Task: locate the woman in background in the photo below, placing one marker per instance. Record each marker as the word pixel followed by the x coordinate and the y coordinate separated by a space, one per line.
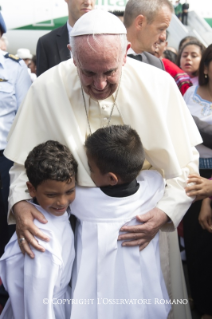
pixel 189 59
pixel 198 241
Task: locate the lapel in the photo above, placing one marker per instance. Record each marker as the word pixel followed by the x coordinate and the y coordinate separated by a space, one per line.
pixel 137 57
pixel 62 41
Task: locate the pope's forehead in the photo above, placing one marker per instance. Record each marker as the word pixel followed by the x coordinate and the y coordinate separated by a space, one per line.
pixel 102 63
pixel 97 41
pixel 98 49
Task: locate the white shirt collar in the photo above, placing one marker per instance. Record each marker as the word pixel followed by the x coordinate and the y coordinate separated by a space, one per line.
pixel 130 51
pixel 69 27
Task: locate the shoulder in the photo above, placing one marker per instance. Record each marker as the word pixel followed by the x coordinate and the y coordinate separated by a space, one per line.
pixel 151 183
pixel 190 92
pixel 170 66
pixel 63 74
pixel 12 57
pixel 151 176
pixel 14 64
pixel 152 60
pixel 147 73
pixel 52 34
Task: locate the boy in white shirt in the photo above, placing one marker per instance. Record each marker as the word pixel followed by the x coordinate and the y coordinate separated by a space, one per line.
pixel 115 282
pixel 37 286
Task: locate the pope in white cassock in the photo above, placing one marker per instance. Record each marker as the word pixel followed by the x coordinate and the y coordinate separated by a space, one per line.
pixel 96 88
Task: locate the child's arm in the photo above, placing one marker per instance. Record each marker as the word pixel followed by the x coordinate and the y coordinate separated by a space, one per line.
pixel 202 187
pixel 205 216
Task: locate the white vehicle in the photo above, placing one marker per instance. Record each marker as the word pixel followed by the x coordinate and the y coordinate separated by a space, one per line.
pixel 27 20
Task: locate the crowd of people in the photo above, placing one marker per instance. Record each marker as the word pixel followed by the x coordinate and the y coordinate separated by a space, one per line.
pixel 105 149
pixel 181 11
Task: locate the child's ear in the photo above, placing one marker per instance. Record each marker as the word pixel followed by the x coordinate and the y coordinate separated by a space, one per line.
pixel 31 189
pixel 112 179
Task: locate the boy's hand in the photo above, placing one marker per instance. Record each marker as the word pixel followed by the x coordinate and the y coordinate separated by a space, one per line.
pixel 141 235
pixel 202 187
pixel 24 214
pixel 205 215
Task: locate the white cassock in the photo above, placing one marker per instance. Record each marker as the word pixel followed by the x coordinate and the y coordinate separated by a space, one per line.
pixel 120 280
pixel 151 103
pixel 37 286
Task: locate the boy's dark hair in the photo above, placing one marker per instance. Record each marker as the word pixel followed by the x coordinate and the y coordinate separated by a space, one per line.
pixel 205 61
pixel 117 149
pixel 50 160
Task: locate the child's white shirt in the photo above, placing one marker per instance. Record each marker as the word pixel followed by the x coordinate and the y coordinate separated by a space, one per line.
pixel 107 274
pixel 37 286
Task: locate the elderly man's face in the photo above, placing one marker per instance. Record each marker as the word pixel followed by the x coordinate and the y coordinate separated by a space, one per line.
pixel 99 68
pixel 77 8
pixel 155 31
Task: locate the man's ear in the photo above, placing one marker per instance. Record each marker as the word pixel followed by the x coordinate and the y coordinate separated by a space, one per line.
pixel 139 21
pixel 125 55
pixel 31 189
pixel 112 179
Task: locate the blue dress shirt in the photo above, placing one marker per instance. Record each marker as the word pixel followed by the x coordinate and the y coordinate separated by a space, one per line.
pixel 14 84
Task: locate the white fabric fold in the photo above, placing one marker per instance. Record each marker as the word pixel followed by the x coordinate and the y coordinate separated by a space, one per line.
pixel 53 109
pixel 34 285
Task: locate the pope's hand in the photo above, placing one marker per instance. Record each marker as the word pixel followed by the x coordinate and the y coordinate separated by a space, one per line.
pixel 141 235
pixel 24 214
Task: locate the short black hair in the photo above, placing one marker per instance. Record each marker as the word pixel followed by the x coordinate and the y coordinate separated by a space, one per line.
pixel 205 61
pixel 117 13
pixel 50 160
pixel 170 55
pixel 34 60
pixel 117 149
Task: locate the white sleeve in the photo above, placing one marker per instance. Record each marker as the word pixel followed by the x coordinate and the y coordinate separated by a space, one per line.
pixel 40 278
pixel 18 188
pixel 175 202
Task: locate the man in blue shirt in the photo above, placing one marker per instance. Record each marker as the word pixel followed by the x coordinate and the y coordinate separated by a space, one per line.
pixel 14 84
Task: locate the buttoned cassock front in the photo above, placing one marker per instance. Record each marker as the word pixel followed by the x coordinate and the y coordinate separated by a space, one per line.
pixel 149 101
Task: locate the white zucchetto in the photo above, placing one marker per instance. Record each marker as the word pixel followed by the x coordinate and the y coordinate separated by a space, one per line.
pixel 98 22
